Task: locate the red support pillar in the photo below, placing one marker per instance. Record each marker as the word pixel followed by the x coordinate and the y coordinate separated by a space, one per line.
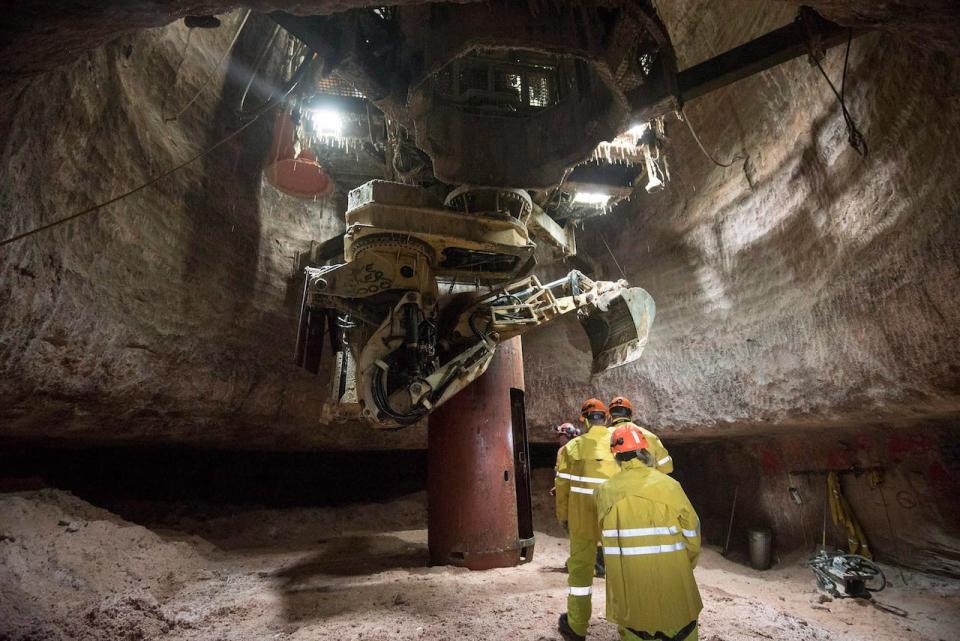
pixel 472 487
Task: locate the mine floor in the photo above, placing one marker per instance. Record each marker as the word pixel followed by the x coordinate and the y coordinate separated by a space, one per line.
pixel 69 570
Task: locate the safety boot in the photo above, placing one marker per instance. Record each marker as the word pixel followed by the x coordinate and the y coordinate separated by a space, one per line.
pixel 566 631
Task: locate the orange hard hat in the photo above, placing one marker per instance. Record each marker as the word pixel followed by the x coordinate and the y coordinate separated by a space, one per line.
pixel 620 401
pixel 627 438
pixel 592 405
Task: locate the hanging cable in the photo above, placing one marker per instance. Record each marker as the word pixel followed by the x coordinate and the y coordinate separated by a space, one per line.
pixel 854 135
pixel 89 210
pixel 256 66
pixel 615 262
pixel 209 82
pixel 737 158
pixel 152 181
pixel 285 90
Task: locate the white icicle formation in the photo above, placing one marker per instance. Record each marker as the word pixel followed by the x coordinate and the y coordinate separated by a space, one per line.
pixel 622 150
pixel 346 144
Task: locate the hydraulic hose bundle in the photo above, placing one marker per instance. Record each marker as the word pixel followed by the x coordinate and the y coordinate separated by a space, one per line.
pixel 847 575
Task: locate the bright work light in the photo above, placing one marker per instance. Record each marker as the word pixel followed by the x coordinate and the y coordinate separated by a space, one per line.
pixel 327 122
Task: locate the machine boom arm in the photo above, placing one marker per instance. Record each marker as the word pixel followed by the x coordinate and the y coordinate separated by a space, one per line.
pixel 401 349
pixel 616 317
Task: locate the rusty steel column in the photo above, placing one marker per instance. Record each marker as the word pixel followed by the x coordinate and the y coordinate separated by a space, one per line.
pixel 471 479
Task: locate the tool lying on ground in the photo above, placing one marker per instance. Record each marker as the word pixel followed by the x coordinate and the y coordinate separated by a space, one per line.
pixel 847 575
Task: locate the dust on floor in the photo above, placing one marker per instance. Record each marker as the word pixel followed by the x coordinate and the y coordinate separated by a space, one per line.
pixel 69 570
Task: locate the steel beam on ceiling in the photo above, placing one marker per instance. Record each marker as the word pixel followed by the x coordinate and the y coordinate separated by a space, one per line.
pixel 808 34
pixel 769 50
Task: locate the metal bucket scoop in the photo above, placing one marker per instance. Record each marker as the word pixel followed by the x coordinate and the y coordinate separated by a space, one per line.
pixel 618 327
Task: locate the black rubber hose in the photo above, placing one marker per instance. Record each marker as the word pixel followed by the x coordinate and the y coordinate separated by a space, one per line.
pixel 383 402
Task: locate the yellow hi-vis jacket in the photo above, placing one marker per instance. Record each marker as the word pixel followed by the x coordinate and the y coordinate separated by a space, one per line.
pixel 582 466
pixel 661 457
pixel 651 542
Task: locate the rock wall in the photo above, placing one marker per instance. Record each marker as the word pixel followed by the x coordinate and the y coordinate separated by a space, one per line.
pixel 800 286
pixel 906 499
pixel 171 314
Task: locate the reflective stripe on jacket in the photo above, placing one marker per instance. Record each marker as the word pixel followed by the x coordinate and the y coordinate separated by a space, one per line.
pixel 651 542
pixel 661 457
pixel 583 465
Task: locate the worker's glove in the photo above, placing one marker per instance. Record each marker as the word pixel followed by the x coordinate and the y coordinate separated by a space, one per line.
pixel 553 491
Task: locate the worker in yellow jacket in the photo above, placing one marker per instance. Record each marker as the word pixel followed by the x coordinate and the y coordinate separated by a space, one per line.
pixel 621 413
pixel 582 466
pixel 651 542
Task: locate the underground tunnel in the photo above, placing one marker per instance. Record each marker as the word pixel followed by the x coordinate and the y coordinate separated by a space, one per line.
pixel 314 317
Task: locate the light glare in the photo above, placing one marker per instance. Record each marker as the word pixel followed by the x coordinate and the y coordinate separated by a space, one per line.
pixel 591 198
pixel 328 122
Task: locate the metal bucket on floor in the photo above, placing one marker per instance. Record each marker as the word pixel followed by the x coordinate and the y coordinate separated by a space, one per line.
pixel 760 548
